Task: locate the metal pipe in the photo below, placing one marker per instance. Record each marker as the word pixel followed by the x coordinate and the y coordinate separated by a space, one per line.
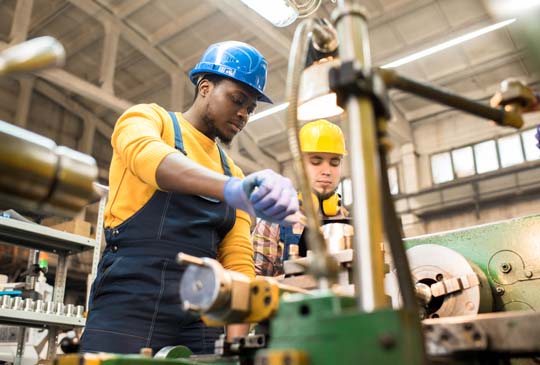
pixel 393 235
pixel 321 264
pixel 37 175
pixel 445 97
pixel 368 273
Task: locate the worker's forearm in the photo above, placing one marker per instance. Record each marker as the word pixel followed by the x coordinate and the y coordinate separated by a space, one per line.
pixel 179 174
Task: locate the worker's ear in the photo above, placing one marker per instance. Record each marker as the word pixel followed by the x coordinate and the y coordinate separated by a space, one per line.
pixel 204 87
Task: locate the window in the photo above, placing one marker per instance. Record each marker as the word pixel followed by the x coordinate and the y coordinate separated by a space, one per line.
pixel 441 168
pixel 510 150
pixel 393 180
pixel 529 145
pixel 463 161
pixel 485 156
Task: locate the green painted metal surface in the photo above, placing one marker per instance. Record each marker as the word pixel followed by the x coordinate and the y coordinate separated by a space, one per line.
pixel 332 331
pixel 508 253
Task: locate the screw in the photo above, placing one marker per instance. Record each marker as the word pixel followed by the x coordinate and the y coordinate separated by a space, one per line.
pixel 500 290
pixel 387 341
pixel 506 267
pixel 528 274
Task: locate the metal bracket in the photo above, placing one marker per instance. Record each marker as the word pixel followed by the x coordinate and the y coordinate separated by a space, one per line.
pixel 352 79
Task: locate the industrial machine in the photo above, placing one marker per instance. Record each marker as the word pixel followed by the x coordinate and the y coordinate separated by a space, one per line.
pixel 432 304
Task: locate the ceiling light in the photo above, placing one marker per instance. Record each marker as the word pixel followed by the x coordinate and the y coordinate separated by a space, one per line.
pixel 278 12
pixel 506 7
pixel 447 44
pixel 315 99
pixel 268 112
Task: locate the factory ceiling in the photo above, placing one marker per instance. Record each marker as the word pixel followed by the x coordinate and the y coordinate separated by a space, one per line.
pixel 120 53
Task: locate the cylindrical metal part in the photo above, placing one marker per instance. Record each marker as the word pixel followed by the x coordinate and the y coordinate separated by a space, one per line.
pixel 79 311
pixel 41 177
pixel 6 302
pixel 70 310
pixel 60 309
pixel 423 293
pixel 17 303
pixel 28 304
pixel 351 26
pixel 32 55
pixel 40 306
pixel 50 307
pixel 446 97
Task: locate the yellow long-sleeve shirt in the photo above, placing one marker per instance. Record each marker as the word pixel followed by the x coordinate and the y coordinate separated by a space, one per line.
pixel 143 136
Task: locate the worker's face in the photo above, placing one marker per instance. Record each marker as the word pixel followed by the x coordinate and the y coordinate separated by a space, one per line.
pixel 324 170
pixel 228 107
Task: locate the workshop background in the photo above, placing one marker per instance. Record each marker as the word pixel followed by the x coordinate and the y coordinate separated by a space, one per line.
pixel 447 170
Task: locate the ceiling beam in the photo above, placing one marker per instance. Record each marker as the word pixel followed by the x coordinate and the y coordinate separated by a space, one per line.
pixel 108 59
pixel 68 103
pixel 132 37
pixel 85 89
pixel 127 8
pixel 77 42
pixel 26 86
pixel 267 32
pixel 21 21
pixel 181 23
pixel 49 13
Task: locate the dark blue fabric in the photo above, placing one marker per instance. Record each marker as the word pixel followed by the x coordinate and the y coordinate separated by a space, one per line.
pixel 288 237
pixel 135 299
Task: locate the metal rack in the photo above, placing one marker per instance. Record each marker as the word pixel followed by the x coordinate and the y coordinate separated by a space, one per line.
pixel 52 315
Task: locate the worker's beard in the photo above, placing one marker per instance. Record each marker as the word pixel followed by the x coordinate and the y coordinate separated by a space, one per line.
pixel 213 131
pixel 324 196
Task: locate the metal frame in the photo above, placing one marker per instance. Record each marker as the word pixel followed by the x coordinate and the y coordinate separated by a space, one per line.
pixel 63 244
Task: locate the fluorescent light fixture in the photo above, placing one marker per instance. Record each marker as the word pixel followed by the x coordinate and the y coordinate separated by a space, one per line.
pixel 512 7
pixel 308 111
pixel 278 12
pixel 324 106
pixel 268 112
pixel 448 44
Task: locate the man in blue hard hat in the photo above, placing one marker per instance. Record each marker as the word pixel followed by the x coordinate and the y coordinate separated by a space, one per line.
pixel 173 189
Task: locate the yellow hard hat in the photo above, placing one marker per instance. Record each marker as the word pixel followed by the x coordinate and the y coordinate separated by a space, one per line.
pixel 322 136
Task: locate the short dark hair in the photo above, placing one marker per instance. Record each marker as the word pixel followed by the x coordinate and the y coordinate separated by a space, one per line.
pixel 213 78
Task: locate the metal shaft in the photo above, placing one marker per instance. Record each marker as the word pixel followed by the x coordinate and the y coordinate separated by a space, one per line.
pixel 351 27
pixel 445 97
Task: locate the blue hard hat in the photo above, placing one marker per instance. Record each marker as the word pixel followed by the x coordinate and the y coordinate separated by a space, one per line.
pixel 236 60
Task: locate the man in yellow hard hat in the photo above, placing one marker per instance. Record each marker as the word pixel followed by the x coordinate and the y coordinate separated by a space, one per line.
pixel 323 147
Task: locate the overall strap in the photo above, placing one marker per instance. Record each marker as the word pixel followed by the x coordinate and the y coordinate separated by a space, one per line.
pixel 179 144
pixel 224 163
pixel 178 141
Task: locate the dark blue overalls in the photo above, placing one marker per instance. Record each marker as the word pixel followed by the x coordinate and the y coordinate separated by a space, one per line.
pixel 135 299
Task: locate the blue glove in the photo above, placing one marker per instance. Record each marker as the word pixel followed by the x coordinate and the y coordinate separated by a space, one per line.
pixel 264 194
pixel 537 135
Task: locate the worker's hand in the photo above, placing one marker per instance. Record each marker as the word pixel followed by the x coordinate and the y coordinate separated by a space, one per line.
pixel 264 194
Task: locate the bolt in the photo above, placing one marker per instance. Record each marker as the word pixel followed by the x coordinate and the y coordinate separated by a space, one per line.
pixel 387 341
pixel 506 267
pixel 287 360
pixel 197 286
pixel 528 274
pixel 500 291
